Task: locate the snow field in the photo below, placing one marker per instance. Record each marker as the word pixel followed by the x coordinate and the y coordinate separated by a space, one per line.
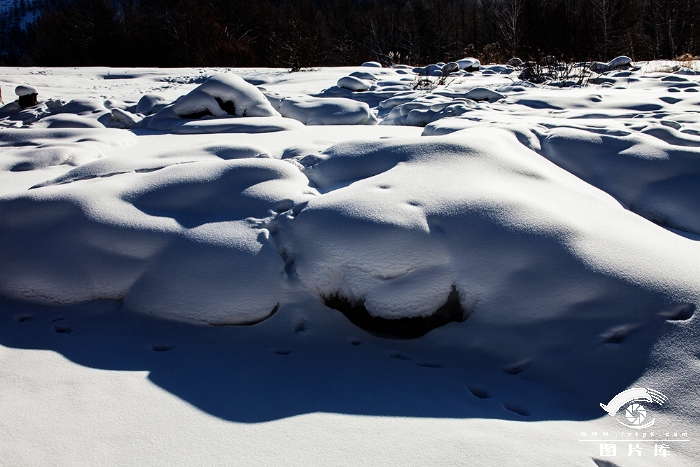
pixel 559 226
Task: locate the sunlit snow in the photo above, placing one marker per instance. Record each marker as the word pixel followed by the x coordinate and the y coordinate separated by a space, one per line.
pixel 478 255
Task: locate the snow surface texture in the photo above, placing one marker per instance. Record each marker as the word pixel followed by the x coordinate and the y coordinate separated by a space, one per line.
pixel 562 226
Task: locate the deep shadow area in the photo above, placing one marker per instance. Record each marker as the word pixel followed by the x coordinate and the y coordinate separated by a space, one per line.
pixel 403 328
pixel 309 358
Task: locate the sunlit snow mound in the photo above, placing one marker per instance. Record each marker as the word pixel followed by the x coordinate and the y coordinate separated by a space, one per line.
pixel 188 241
pixel 396 228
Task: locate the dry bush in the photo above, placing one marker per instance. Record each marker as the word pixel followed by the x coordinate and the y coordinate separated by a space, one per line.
pixel 688 61
pixel 493 54
pixel 553 72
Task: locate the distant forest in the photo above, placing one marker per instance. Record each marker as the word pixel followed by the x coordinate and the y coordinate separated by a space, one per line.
pixel 308 33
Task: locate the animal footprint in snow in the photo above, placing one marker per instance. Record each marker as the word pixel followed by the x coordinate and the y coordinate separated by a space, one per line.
pixel 63 329
pixel 516 409
pixel 430 365
pixel 397 355
pixel 281 352
pixel 618 334
pixel 161 347
pixel 516 368
pixel 680 312
pixel 301 326
pixel 478 391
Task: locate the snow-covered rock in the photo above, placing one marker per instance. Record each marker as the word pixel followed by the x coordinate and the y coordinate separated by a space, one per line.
pixel 354 84
pixel 150 103
pixel 619 62
pixel 196 103
pixel 25 90
pixel 469 64
pixel 246 99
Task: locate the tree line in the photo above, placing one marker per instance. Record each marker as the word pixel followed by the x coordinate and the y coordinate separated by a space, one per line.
pixel 307 33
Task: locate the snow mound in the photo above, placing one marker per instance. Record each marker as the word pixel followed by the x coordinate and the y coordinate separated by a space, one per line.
pixel 189 242
pixel 619 62
pixel 144 163
pixel 25 90
pixel 469 64
pixel 32 150
pixel 402 223
pixel 354 83
pixel 646 171
pixel 196 104
pixel 222 95
pixel 246 99
pixel 327 111
pixel 462 91
pixel 150 103
pixel 422 110
pixel 67 121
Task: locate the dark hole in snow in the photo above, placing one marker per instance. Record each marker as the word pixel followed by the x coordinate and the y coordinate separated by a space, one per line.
pixel 63 329
pixel 282 352
pixel 402 328
pixel 24 318
pixel 681 312
pixel 227 106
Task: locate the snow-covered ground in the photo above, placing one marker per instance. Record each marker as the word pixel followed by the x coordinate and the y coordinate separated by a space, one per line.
pixel 331 267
